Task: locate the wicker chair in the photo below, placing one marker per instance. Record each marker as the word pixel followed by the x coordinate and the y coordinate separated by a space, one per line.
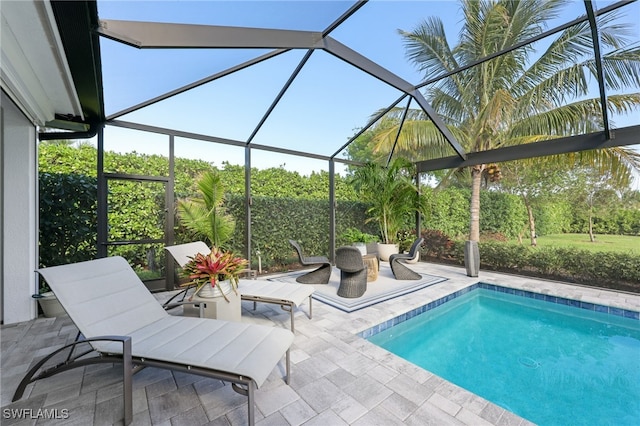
pixel 320 275
pixel 400 271
pixel 353 272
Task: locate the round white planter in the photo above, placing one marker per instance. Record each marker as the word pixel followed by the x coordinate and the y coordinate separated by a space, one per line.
pixel 214 305
pixel 386 250
pixel 50 305
pixel 221 288
pixel 362 247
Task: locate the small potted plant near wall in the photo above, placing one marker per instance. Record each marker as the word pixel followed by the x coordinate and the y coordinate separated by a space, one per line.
pixel 48 301
pixel 393 198
pixel 359 239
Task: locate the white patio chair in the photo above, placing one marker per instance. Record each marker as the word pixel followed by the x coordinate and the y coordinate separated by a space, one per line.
pixel 123 322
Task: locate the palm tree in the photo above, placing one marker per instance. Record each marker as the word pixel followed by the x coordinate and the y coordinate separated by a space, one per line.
pixel 206 217
pixel 391 193
pixel 518 97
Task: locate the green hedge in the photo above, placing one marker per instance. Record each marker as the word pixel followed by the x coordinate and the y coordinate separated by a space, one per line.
pixel 601 269
pixel 287 205
pixel 68 220
pixel 274 221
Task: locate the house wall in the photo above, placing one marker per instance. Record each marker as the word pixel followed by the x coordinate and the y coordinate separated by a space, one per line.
pixel 18 218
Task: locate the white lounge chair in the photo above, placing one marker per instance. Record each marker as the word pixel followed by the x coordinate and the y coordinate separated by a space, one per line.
pixel 123 322
pixel 286 295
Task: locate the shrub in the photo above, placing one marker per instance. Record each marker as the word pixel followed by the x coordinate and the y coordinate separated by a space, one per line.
pixel 68 218
pixel 503 256
pixel 436 243
pixel 619 271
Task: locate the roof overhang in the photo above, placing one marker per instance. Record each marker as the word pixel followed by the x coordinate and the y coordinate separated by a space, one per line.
pixel 50 65
pixel 35 72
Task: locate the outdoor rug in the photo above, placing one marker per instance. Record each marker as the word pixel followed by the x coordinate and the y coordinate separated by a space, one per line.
pixel 384 288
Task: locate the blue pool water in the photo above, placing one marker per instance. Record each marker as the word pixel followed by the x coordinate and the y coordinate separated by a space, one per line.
pixel 551 364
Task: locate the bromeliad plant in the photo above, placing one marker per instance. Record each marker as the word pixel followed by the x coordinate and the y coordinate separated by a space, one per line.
pixel 211 268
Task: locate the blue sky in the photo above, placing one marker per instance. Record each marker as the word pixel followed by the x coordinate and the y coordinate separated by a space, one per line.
pixel 325 105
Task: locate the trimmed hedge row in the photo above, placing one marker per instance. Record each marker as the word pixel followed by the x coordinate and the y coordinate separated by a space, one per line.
pixel 274 221
pixel 620 271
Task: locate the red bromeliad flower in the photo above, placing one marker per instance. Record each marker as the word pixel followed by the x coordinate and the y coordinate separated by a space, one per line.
pixel 216 266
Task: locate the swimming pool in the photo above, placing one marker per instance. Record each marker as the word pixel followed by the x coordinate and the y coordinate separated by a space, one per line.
pixel 560 363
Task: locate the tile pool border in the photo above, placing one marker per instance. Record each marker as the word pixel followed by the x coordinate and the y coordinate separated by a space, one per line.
pixel 610 310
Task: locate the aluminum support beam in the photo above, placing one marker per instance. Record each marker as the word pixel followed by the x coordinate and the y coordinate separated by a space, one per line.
pixel 332 211
pixel 595 37
pixel 247 205
pixel 284 89
pixel 154 35
pixel 620 137
pixel 437 121
pixel 198 83
pixel 206 138
pixel 366 65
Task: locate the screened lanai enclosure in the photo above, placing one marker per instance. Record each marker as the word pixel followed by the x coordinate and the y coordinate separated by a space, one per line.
pixel 308 86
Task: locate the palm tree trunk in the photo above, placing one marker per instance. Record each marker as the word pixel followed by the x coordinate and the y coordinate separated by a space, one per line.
pixel 474 225
pixel 532 222
pixel 592 237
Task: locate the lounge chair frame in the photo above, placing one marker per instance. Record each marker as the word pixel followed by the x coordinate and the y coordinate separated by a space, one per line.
pixel 74 361
pixel 285 305
pixel 130 365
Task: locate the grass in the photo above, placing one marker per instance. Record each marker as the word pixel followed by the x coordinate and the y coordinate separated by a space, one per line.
pixel 607 243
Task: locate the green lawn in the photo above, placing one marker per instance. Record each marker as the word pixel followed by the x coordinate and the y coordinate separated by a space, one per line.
pixel 615 243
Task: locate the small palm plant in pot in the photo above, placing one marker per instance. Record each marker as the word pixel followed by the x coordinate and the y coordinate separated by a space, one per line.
pixel 393 198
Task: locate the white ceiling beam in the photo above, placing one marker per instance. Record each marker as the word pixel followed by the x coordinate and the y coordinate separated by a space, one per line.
pixel 188 36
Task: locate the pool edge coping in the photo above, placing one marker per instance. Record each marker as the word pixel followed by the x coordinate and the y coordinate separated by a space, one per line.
pixel 559 300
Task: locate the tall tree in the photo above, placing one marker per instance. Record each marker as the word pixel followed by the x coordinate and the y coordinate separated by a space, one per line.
pixel 522 96
pixel 595 191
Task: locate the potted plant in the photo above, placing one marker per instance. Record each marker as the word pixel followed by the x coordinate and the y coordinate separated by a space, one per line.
pixel 48 301
pixel 359 239
pixel 393 197
pixel 206 216
pixel 214 274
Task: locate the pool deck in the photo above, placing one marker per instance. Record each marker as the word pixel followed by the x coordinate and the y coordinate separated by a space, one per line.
pixel 338 378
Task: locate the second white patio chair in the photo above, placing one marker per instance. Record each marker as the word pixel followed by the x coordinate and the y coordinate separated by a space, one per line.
pixel 288 296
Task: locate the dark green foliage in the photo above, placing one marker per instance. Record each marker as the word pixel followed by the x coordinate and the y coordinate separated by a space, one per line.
pixel 514 257
pixel 552 216
pixel 603 269
pixel 295 206
pixel 68 218
pixel 448 210
pixel 502 212
pixel 628 221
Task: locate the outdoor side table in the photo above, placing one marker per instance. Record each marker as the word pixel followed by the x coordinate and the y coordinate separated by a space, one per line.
pixel 218 308
pixel 371 260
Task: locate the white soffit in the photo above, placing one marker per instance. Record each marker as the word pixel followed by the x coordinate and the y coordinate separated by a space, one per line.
pixel 35 72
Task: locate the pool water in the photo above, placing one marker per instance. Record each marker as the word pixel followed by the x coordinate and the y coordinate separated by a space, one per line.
pixel 551 364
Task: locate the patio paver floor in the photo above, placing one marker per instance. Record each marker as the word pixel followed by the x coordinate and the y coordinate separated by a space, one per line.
pixel 338 378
